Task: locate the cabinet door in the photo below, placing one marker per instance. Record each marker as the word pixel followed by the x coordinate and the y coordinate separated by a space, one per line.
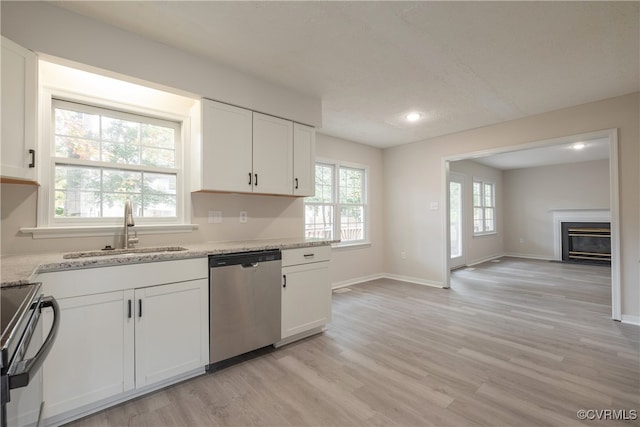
pixel 272 155
pixel 306 298
pixel 226 147
pixel 172 333
pixel 19 101
pixel 304 138
pixel 92 356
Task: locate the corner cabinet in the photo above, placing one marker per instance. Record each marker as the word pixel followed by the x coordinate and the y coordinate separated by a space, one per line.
pixel 306 292
pixel 248 152
pixel 124 330
pixel 19 112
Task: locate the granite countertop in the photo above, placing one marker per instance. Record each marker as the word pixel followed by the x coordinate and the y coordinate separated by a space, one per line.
pixel 20 269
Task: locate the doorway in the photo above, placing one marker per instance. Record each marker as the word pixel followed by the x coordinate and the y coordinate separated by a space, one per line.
pixel 611 136
pixel 456 221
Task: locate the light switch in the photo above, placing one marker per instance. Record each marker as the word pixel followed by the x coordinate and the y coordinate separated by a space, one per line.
pixel 434 206
pixel 215 217
pixel 243 216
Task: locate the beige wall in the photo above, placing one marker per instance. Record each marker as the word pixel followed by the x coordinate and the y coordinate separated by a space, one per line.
pixel 480 248
pixel 356 263
pixel 414 178
pixel 530 194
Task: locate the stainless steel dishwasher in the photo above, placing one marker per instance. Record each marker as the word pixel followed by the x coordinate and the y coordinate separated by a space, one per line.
pixel 244 307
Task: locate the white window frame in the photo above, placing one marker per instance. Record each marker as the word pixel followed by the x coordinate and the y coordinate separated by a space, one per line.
pixel 47 226
pixel 335 203
pixel 484 208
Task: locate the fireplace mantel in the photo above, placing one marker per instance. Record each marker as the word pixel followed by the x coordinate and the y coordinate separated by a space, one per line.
pixel 573 215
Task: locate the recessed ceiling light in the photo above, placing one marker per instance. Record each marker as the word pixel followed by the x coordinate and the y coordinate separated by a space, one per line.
pixel 579 145
pixel 413 117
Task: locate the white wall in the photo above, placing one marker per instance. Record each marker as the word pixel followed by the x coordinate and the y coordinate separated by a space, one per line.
pixel 413 178
pixel 530 194
pixel 480 248
pixel 354 264
pixel 50 30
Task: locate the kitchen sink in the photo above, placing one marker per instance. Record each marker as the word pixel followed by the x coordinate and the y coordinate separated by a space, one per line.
pixel 114 252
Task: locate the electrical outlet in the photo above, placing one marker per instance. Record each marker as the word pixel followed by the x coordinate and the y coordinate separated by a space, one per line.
pixel 403 255
pixel 243 216
pixel 434 206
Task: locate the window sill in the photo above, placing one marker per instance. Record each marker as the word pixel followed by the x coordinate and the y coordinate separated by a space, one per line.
pixel 493 233
pixel 105 230
pixel 348 246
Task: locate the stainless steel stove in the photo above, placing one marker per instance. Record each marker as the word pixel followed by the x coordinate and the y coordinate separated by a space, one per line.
pixel 22 352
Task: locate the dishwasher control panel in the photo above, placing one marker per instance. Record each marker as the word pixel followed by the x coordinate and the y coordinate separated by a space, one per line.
pixel 244 258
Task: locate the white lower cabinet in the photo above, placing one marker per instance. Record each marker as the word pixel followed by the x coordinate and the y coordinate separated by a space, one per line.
pixel 169 330
pixel 111 344
pixel 92 358
pixel 306 291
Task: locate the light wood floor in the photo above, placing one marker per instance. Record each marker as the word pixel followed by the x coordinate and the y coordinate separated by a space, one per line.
pixel 512 343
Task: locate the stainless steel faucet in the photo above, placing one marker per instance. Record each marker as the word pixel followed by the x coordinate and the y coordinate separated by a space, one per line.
pixel 128 222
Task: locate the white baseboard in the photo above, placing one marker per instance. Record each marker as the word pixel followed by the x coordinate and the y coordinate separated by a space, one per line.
pixel 357 280
pixel 485 259
pixel 300 336
pixel 398 277
pixel 633 320
pixel 66 417
pixel 414 280
pixel 529 256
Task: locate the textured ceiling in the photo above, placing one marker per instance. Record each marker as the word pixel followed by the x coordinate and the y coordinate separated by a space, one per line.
pixel 595 149
pixel 462 64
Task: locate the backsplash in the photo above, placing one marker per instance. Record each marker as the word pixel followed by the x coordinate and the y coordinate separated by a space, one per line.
pixel 268 217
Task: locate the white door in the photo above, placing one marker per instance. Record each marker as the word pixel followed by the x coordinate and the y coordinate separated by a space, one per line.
pixel 303 160
pixel 19 102
pixel 272 155
pixel 172 330
pixel 456 220
pixel 92 356
pixel 306 298
pixel 226 147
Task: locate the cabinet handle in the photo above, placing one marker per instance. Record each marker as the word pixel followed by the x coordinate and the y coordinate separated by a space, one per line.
pixel 250 178
pixel 296 183
pixel 32 152
pixel 309 255
pixel 256 180
pixel 284 277
pixel 129 309
pixel 139 308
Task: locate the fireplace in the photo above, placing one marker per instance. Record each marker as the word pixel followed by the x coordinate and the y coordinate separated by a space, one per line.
pixel 586 242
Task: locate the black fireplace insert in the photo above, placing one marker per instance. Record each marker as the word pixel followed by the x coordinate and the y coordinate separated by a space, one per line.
pixel 586 242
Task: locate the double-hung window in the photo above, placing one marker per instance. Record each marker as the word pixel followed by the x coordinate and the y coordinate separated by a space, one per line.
pixel 101 157
pixel 484 220
pixel 338 210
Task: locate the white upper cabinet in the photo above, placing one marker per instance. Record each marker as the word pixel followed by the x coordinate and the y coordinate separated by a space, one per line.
pixel 249 152
pixel 272 155
pixel 19 112
pixel 227 148
pixel 304 142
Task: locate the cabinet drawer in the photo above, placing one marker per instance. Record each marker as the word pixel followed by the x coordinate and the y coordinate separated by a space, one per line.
pixel 306 255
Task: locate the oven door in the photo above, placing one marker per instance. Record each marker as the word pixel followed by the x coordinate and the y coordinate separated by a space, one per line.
pixel 25 376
